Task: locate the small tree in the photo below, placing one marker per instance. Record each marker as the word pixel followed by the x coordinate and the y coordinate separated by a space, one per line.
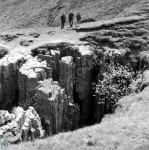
pixel 114 83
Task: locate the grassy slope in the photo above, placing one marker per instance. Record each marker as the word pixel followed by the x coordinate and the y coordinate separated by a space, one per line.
pixel 31 13
pixel 23 13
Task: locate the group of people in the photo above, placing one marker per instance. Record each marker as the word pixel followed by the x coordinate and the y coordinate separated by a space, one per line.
pixel 70 19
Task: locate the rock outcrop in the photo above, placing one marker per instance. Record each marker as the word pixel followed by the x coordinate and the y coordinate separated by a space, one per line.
pixel 66 75
pixel 84 81
pixel 54 105
pixel 5 116
pixel 73 68
pixel 57 80
pixel 29 76
pixel 58 83
pixel 9 67
pixel 17 125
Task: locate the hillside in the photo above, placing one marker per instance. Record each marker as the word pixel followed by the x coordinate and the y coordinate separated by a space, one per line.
pixel 34 14
pixel 37 63
pixel 127 128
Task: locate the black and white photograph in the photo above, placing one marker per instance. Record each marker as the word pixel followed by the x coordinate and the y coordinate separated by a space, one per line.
pixel 74 74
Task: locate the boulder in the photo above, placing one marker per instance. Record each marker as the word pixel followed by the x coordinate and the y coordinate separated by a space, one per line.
pixel 20 126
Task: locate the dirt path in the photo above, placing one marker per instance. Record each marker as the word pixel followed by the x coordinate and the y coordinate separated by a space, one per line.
pixel 38 36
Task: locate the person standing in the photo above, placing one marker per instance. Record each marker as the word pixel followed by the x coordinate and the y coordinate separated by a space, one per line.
pixel 78 17
pixel 63 20
pixel 70 18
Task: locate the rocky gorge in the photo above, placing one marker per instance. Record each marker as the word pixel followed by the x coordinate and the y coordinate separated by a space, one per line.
pixel 55 81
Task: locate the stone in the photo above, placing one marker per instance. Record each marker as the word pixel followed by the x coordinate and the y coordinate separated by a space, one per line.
pixel 9 37
pixel 21 125
pixel 52 105
pixel 145 80
pixel 9 66
pixel 29 77
pixel 66 72
pixel 16 123
pixel 56 65
pixel 73 68
pixel 34 34
pixel 15 139
pixel 4 116
pixel 3 51
pixel 25 42
pixel 84 80
pixel 48 102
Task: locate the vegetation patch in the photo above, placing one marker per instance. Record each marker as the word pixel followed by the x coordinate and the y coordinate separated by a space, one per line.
pixel 114 82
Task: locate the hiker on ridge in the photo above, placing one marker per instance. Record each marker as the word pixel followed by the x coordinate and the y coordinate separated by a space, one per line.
pixel 70 18
pixel 63 20
pixel 78 17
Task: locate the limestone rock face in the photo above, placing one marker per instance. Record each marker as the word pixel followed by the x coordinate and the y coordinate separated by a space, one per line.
pixel 20 122
pixel 84 80
pixel 9 66
pixel 72 66
pixel 49 103
pixel 29 76
pixel 56 64
pixel 52 57
pixel 53 106
pixel 66 75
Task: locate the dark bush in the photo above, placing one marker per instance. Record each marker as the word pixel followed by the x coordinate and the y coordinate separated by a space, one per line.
pixel 114 83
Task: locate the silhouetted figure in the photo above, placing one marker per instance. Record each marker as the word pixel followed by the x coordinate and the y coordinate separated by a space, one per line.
pixel 70 18
pixel 78 17
pixel 63 20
